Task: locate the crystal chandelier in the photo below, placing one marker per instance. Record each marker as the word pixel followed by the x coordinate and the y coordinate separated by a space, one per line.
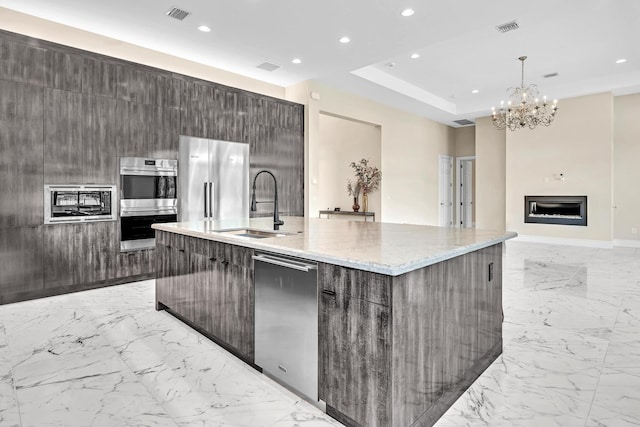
pixel 524 108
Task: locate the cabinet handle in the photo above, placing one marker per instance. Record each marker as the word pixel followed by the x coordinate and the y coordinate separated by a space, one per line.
pixel 328 292
pixel 181 250
pixel 213 259
pixel 490 271
pixel 168 246
pixel 225 262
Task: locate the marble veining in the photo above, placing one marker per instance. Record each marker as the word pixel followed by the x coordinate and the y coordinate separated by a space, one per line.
pixel 106 358
pixel 378 247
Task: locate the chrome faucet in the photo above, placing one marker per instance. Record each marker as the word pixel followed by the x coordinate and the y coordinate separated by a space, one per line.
pixel 277 222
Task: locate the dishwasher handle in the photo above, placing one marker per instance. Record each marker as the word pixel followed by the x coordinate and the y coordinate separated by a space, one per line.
pixel 284 262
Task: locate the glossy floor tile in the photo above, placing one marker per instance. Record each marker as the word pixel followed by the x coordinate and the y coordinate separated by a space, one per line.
pixel 107 358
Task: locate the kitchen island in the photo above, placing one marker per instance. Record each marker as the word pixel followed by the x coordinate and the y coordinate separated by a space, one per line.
pixel 409 316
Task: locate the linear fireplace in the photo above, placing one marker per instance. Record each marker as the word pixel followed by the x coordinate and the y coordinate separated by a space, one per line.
pixel 566 210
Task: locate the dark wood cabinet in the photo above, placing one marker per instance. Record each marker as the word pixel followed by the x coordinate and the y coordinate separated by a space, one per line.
pixel 66 125
pixel 21 252
pixel 21 154
pixel 99 150
pixel 63 255
pixel 99 78
pixel 398 351
pixel 23 63
pixel 99 246
pixel 64 71
pixel 210 285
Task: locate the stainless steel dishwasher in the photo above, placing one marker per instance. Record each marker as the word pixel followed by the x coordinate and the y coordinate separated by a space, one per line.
pixel 286 319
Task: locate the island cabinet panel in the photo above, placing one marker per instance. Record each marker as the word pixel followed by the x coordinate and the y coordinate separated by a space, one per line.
pixel 460 317
pixel 21 154
pixel 490 317
pixel 210 285
pixel 418 342
pixel 355 345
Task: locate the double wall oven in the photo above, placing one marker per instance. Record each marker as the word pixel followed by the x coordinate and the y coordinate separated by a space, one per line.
pixel 147 196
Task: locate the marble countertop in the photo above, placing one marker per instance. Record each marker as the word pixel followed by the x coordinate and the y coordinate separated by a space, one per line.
pixel 379 247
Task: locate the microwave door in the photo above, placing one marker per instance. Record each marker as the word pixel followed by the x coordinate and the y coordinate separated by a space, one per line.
pixel 193 179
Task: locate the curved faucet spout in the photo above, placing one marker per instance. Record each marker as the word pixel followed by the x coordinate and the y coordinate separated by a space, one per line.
pixel 277 222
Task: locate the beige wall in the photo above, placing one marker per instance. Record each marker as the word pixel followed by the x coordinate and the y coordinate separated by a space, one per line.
pixel 344 141
pixel 47 30
pixel 410 146
pixel 626 172
pixel 579 145
pixel 465 141
pixel 490 175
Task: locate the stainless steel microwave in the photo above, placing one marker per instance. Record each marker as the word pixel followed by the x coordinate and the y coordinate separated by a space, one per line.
pixel 79 203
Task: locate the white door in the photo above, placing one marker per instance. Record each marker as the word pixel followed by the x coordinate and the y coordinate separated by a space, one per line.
pixel 446 191
pixel 466 193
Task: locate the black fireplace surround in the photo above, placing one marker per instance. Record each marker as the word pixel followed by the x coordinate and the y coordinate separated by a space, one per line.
pixel 565 210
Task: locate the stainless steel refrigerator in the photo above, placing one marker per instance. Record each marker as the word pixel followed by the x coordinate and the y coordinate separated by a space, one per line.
pixel 213 179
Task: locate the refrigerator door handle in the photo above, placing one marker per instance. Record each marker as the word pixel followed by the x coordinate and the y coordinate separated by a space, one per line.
pixel 205 199
pixel 211 199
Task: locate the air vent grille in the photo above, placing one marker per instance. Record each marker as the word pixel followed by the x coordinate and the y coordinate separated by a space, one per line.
pixel 546 76
pixel 178 14
pixel 463 122
pixel 508 26
pixel 268 66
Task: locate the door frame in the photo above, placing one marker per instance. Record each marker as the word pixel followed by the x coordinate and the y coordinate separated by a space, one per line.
pixel 440 192
pixel 459 161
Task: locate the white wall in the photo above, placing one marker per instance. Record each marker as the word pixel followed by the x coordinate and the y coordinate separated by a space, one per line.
pixel 344 141
pixel 579 145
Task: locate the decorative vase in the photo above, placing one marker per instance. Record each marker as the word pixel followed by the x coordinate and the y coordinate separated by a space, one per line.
pixel 365 202
pixel 356 206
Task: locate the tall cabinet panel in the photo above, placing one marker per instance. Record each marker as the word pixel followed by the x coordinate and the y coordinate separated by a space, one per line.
pixel 64 261
pixel 21 251
pixel 99 150
pixel 23 63
pixel 21 154
pixel 64 71
pixel 67 120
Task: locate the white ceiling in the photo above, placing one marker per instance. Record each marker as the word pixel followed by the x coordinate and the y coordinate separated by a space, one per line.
pixel 459 46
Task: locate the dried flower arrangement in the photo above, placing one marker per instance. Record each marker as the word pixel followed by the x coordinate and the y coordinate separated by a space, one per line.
pixel 367 178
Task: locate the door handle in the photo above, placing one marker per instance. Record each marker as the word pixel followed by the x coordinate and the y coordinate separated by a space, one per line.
pixel 282 262
pixel 205 199
pixel 210 199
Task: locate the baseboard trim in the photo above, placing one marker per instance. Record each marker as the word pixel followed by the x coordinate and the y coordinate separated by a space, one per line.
pixel 605 244
pixel 627 243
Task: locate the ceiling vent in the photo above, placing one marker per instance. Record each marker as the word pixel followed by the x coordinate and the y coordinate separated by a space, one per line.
pixel 546 76
pixel 508 26
pixel 463 122
pixel 178 14
pixel 268 66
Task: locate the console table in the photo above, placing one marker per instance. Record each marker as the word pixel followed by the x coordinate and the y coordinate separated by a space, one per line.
pixel 365 215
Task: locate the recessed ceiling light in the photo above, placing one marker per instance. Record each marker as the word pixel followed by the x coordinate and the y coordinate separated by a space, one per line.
pixel 408 12
pixel 296 61
pixel 621 60
pixel 204 28
pixel 475 91
pixel 415 55
pixel 344 39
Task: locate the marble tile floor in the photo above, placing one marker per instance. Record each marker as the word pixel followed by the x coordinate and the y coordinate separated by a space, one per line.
pixel 107 358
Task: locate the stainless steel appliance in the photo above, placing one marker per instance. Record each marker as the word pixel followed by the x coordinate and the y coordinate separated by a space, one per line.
pixel 79 203
pixel 148 195
pixel 286 319
pixel 214 179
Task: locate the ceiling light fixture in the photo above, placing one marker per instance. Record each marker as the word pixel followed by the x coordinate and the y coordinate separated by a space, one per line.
pixel 524 108
pixel 621 61
pixel 344 40
pixel 204 28
pixel 475 91
pixel 415 55
pixel 296 61
pixel 407 12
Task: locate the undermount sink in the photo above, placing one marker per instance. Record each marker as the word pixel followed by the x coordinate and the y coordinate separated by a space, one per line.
pixel 252 233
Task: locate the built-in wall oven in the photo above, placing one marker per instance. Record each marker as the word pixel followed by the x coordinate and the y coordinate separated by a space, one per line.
pixel 147 196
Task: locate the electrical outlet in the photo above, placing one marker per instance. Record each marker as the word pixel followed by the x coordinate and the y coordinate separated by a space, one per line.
pixel 634 230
